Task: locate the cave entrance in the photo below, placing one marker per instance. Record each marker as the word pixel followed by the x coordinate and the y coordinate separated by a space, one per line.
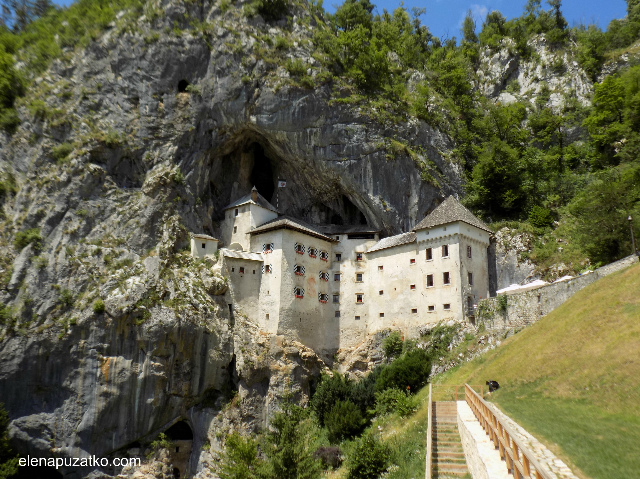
pixel 262 172
pixel 180 431
pixel 181 436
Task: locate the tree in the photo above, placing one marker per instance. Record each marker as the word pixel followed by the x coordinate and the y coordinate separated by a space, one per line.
pixel 369 458
pixel 410 371
pixel 17 14
pixel 8 457
pixel 344 421
pixel 469 28
pixel 392 345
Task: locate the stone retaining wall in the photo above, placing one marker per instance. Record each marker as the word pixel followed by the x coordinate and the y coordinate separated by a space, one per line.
pixel 527 307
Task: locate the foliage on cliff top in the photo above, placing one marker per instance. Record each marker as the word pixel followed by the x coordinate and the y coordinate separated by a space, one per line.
pixel 573 378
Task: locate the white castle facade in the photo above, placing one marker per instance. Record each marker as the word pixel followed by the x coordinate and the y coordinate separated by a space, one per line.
pixel 330 286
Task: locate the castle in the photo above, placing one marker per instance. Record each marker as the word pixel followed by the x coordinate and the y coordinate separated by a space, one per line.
pixel 330 286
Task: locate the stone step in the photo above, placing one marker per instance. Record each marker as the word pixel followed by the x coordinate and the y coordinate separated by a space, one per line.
pixel 452 468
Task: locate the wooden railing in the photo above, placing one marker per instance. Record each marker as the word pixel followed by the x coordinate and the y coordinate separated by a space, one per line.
pixel 429 436
pixel 445 392
pixel 520 461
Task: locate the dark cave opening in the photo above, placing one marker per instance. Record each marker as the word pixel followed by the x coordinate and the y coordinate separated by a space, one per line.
pixel 180 431
pixel 182 86
pixel 351 213
pixel 262 172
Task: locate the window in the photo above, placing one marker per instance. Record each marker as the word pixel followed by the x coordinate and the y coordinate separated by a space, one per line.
pixel 267 316
pixel 412 261
pixel 431 308
pixel 380 268
pixel 233 270
pixel 446 278
pixel 323 276
pixel 323 297
pixel 358 256
pixel 203 246
pixel 445 250
pixel 337 315
pixel 299 248
pixel 235 229
pixel 359 297
pixel 358 277
pixel 235 213
pixel 313 252
pixel 338 257
pixel 429 254
pixel 267 248
pixel 336 276
pixel 254 271
pixel 446 306
pixel 414 311
pixel 337 238
pixel 429 281
pixel 298 270
pixel 468 251
pixel 413 286
pixel 266 268
pixel 336 298
pixel 381 292
pixel 298 292
pixel 324 256
pixel 357 318
pixel 241 269
pixel 381 315
pixel 470 275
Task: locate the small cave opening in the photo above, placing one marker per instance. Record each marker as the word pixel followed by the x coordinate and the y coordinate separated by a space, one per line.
pixel 182 86
pixel 351 213
pixel 262 172
pixel 180 431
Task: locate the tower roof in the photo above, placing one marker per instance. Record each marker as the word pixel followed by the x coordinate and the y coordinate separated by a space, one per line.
pixel 284 222
pixel 261 201
pixel 391 241
pixel 449 211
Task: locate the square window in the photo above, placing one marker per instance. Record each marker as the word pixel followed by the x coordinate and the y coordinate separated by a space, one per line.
pixel 359 298
pixel 357 318
pixel 470 275
pixel 414 311
pixel 358 256
pixel 429 254
pixel 267 268
pixel 468 251
pixel 338 257
pixel 432 308
pixel 413 286
pixel 446 306
pixel 445 250
pixel 235 229
pixel 412 261
pixel 381 292
pixel 446 278
pixel 382 315
pixel 336 276
pixel 359 277
pixel 337 314
pixel 380 268
pixel 203 246
pixel 429 281
pixel 241 269
pixel 336 298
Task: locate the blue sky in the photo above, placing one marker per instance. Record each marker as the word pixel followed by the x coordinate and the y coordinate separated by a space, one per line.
pixel 444 17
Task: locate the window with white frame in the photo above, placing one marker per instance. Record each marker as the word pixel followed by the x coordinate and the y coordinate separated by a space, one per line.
pixel 446 306
pixel 298 270
pixel 359 298
pixel 336 276
pixel 446 278
pixel 431 308
pixel 412 261
pixel 358 277
pixel 299 248
pixel 336 298
pixel 429 281
pixel 358 256
pixel 338 257
pixel 445 250
pixel 429 254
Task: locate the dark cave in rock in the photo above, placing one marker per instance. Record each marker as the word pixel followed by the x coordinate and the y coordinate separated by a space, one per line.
pixel 182 86
pixel 262 173
pixel 180 431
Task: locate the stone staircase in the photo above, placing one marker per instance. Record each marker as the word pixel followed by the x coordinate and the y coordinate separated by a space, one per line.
pixel 447 455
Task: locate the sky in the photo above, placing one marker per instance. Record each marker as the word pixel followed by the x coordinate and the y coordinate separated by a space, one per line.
pixel 444 17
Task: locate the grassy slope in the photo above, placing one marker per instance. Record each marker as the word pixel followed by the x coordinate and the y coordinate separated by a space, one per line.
pixel 573 378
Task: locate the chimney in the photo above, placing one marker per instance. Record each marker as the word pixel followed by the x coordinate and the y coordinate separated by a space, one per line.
pixel 254 194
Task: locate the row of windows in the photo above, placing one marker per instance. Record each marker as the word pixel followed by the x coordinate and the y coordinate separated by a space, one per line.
pixel 431 308
pixel 313 252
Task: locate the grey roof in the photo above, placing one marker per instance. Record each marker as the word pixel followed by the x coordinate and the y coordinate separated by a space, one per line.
pixel 285 222
pixel 229 253
pixel 202 236
pixel 391 241
pixel 448 211
pixel 247 199
pixel 346 229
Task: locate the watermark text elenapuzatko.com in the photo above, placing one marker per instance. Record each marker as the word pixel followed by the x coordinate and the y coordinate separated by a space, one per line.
pixel 91 461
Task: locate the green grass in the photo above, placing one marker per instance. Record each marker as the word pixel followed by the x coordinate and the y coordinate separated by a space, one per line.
pixel 573 378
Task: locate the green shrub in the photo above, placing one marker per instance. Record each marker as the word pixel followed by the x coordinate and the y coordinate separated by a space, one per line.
pixel 66 298
pixel 392 345
pixel 7 186
pixel 502 303
pixel 330 390
pixel 282 43
pixel 344 421
pixel 296 67
pixel 98 306
pixel 240 459
pixel 540 217
pixel 395 400
pixel 369 459
pixel 410 371
pixel 61 152
pixel 30 236
pixel 6 314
